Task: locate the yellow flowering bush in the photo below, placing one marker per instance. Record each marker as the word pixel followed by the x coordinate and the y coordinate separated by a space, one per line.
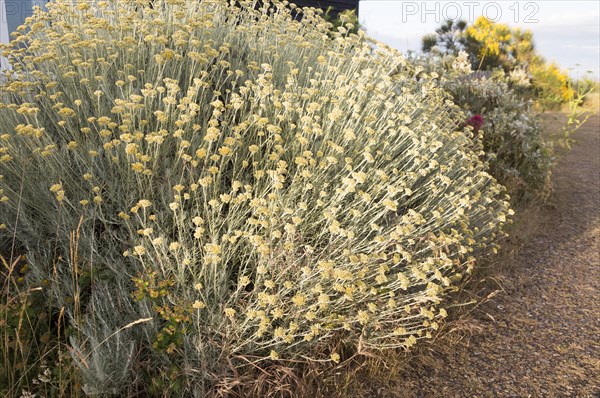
pixel 495 45
pixel 208 186
pixel 551 85
pixel 491 42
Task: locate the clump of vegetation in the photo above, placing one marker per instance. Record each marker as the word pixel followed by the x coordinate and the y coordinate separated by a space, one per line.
pixel 206 188
pixel 492 46
pixel 578 110
pixel 33 356
pixel 507 123
pixel 448 38
pixel 515 150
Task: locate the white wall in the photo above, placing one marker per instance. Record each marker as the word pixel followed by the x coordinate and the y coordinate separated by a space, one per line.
pixel 3 32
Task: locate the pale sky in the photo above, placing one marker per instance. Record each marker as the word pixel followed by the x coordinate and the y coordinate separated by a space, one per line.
pixel 567 32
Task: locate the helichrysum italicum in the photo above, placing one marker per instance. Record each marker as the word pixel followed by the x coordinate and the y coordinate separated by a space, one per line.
pixel 296 187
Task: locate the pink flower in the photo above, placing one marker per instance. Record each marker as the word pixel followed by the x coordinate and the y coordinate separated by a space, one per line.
pixel 475 121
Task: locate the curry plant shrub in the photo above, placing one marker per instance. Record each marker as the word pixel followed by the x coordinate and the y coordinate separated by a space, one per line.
pixel 201 186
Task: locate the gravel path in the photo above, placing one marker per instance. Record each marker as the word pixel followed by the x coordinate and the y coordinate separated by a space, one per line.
pixel 539 336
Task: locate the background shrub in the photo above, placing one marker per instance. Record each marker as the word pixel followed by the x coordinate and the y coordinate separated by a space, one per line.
pixel 493 46
pixel 202 187
pixel 514 149
pixel 552 86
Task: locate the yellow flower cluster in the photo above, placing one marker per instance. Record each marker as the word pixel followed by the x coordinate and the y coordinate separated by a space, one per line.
pixel 491 36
